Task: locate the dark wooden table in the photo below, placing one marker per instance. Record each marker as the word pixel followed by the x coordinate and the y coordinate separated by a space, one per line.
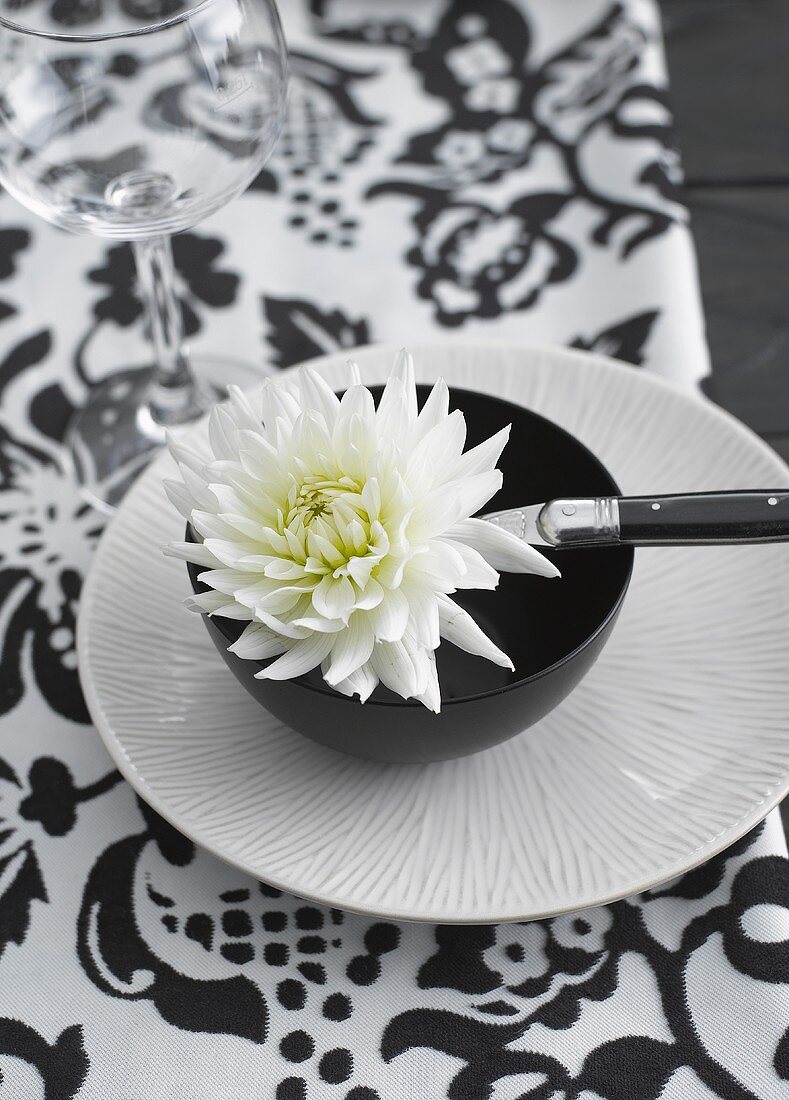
pixel 729 67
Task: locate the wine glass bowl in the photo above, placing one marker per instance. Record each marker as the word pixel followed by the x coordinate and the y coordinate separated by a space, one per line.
pixel 143 138
pixel 134 132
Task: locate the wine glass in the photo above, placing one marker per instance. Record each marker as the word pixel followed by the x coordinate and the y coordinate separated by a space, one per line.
pixel 134 132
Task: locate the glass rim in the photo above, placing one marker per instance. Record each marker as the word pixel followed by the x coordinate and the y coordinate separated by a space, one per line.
pixel 106 36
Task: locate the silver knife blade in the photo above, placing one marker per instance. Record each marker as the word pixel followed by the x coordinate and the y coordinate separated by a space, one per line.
pixel 523 522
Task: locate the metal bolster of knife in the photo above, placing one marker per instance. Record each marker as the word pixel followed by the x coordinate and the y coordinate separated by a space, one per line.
pixel 584 522
pixel 511 519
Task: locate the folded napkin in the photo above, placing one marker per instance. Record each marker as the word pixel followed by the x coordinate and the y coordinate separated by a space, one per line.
pixel 496 170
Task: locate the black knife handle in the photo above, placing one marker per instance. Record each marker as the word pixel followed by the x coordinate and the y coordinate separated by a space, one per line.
pixel 705 518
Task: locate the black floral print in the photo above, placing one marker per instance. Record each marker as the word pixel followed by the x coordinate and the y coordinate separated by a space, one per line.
pixel 479 263
pixel 195 260
pixel 48 534
pixel 327 134
pixel 539 972
pixel 299 331
pixel 47 798
pixel 12 241
pixel 257 949
pixel 518 980
pixel 21 881
pixel 506 112
pixel 61 1067
pixel 54 797
pixel 119 960
pixel 504 170
pixel 461 157
pixel 477 60
pixel 626 340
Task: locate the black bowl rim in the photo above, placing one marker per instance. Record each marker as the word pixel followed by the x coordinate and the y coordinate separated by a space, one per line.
pixel 458 700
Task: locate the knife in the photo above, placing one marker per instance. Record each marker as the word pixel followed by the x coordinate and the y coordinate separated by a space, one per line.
pixel 686 519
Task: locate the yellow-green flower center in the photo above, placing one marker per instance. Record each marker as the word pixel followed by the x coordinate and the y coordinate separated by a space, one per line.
pixel 316 497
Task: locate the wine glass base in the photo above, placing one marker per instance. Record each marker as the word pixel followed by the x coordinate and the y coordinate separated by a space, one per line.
pixel 114 436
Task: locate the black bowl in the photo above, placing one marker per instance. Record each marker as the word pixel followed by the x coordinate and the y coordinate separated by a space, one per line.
pixel 553 630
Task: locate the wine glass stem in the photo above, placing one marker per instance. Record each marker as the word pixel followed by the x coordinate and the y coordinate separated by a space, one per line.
pixel 173 389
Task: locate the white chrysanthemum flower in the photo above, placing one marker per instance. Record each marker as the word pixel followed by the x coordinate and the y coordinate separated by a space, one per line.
pixel 340 531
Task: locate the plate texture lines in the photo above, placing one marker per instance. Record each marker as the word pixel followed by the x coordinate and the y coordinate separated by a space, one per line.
pixel 673 745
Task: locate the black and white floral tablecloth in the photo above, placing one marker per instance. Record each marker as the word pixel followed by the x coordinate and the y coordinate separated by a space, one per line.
pixel 501 169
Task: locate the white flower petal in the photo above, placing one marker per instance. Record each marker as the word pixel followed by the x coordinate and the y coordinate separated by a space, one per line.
pixel 431 694
pixel 354 374
pixel 318 394
pixel 484 456
pixel 393 665
pixel 320 547
pixel 458 627
pixel 434 410
pixel 257 643
pixel 230 501
pixel 215 603
pixel 351 650
pixel 197 488
pixel 435 512
pixel 232 553
pixel 295 545
pixel 279 602
pixel 260 562
pixel 210 526
pixel 312 441
pixel 260 462
pixel 393 415
pixel 187 457
pixel 371 498
pixel 299 659
pixel 478 573
pixel 280 569
pixel 194 552
pixel 277 402
pixel 362 682
pixel 442 566
pixel 205 603
pixel 404 370
pixel 440 448
pixel 419 655
pixel 288 629
pixel 245 410
pixel 222 433
pixel 359 569
pixel 248 488
pixel 477 490
pixel 371 596
pixel 317 622
pixel 424 613
pixel 180 497
pixel 250 528
pixel 389 619
pixel 356 409
pixel 233 582
pixel 334 599
pixel 503 550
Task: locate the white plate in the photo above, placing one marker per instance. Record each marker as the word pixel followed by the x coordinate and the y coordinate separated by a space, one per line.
pixel 672 747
